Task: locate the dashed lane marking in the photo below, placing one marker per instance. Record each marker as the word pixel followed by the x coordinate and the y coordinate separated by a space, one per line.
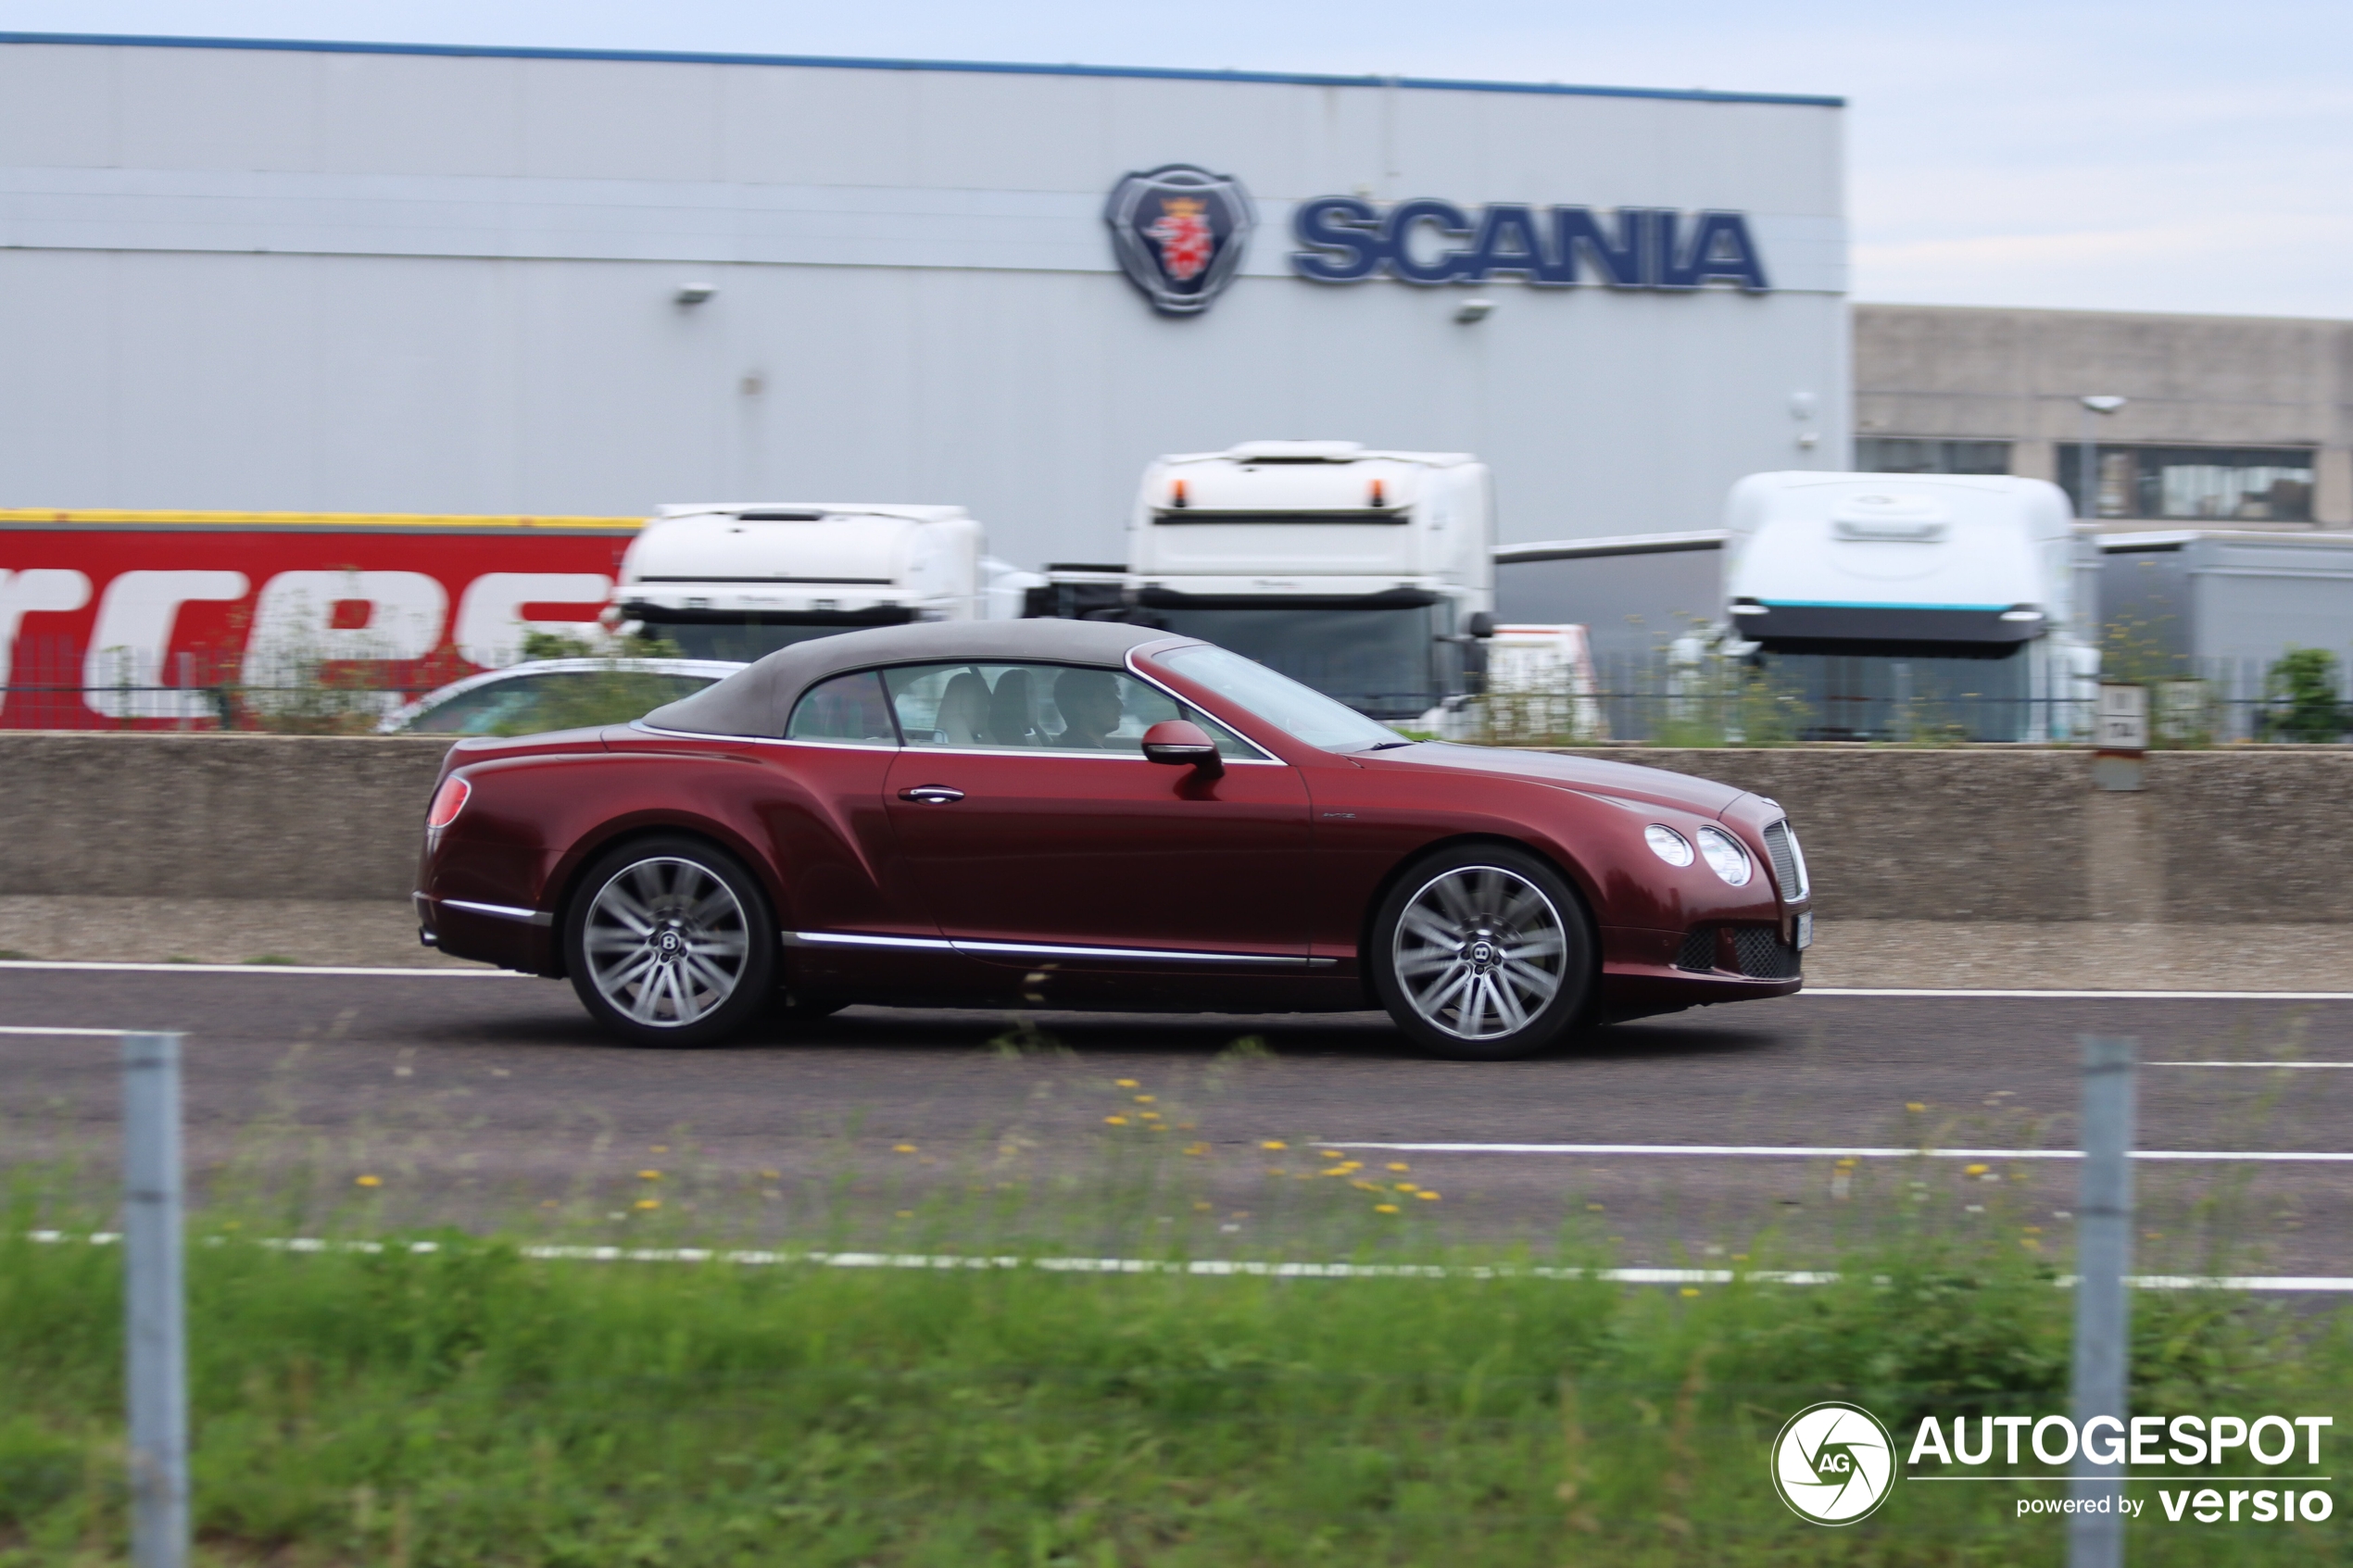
pixel 250 969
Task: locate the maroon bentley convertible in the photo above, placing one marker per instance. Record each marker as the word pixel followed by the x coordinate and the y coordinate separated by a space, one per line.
pixel 1081 814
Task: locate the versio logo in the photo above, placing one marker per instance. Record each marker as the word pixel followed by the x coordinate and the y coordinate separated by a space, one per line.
pixel 1833 1463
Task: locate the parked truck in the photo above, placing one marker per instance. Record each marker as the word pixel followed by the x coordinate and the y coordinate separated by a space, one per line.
pixel 1364 573
pixel 1893 606
pixel 736 580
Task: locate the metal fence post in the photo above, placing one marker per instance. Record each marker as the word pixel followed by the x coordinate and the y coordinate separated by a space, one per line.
pixel 2103 1326
pixel 156 1370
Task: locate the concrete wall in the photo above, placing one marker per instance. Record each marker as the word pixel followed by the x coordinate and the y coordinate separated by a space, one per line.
pixel 1943 370
pixel 202 816
pixel 2219 837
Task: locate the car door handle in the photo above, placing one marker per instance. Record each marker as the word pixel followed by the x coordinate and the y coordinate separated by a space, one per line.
pixel 932 795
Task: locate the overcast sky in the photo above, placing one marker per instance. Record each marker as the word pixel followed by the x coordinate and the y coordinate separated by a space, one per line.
pixel 2154 155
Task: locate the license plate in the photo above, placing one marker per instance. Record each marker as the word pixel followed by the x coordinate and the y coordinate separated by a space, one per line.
pixel 1805 931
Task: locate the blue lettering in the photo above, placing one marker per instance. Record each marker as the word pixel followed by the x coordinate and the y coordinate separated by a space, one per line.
pixel 1347 240
pixel 1621 259
pixel 1336 223
pixel 1506 242
pixel 1397 236
pixel 1720 250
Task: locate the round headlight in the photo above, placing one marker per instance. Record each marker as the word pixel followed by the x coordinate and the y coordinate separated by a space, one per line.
pixel 1667 845
pixel 1725 856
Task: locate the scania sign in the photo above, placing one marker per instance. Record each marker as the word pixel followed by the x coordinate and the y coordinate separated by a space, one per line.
pixel 1347 239
pixel 1179 233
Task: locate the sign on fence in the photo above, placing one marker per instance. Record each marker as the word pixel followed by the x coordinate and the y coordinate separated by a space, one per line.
pixel 140 619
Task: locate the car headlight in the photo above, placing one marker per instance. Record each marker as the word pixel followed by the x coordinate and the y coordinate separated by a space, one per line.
pixel 1667 845
pixel 1725 856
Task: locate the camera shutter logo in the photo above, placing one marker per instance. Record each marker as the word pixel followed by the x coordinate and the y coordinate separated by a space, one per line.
pixel 1179 232
pixel 1833 1463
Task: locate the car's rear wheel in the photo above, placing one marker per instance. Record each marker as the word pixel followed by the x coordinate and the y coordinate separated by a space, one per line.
pixel 670 943
pixel 1483 953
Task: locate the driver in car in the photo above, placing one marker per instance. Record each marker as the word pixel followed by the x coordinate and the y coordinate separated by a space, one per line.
pixel 1089 703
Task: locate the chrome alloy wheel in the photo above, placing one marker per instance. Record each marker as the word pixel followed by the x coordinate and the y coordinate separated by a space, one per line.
pixel 666 942
pixel 1480 952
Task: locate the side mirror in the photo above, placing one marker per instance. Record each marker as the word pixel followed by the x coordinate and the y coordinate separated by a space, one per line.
pixel 1480 625
pixel 1182 745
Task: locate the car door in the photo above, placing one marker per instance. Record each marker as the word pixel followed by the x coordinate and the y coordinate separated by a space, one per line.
pixel 1027 818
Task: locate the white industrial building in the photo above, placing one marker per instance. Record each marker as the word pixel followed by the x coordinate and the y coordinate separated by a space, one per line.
pixel 318 277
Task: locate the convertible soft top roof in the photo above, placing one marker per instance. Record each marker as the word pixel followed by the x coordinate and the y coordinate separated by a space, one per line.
pixel 757 700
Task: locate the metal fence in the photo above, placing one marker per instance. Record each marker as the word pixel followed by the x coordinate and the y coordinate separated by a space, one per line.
pixel 49 682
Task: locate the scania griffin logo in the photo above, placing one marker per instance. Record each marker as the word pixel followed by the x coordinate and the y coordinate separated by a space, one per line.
pixel 1179 232
pixel 1833 1463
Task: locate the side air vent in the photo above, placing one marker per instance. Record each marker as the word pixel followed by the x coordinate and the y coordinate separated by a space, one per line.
pixel 1698 952
pixel 1763 955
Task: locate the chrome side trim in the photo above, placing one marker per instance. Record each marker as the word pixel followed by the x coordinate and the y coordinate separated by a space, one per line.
pixel 842 939
pixel 1154 955
pixel 501 912
pixel 1042 949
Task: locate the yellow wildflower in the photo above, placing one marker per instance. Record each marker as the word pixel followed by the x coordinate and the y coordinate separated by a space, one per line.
pixel 1115 1121
pixel 368 1180
pixel 1274 1142
pixel 649 1203
pixel 1384 1208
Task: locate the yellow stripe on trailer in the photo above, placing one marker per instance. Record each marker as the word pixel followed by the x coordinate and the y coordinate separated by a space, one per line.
pixel 314 522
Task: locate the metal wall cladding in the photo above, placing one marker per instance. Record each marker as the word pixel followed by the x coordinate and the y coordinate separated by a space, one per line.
pixel 305 280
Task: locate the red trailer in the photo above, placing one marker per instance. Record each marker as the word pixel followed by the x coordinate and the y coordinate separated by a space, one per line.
pixel 204 619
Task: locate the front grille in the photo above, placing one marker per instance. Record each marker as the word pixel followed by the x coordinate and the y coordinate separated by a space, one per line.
pixel 1763 955
pixel 1698 951
pixel 1789 862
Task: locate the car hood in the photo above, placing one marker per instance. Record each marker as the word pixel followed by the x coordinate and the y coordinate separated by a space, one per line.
pixel 1655 785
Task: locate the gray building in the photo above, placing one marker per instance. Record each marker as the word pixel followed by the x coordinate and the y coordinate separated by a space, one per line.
pixel 342 278
pixel 2228 422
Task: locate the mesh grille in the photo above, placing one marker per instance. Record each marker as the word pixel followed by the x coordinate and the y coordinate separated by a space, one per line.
pixel 1763 955
pixel 1789 865
pixel 1699 949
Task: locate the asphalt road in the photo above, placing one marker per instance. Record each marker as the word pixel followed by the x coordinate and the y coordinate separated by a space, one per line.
pixel 471 1097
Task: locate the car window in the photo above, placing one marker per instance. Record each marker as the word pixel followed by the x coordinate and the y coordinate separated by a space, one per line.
pixel 558 699
pixel 847 707
pixel 1281 701
pixel 1037 708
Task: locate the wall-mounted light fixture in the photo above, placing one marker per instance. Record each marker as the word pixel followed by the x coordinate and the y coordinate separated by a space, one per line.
pixel 695 293
pixel 1472 310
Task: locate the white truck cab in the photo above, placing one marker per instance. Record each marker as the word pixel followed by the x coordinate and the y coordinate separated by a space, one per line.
pixel 739 579
pixel 1897 606
pixel 1363 572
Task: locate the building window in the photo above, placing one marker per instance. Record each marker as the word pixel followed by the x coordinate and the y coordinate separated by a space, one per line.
pixel 1907 454
pixel 2196 484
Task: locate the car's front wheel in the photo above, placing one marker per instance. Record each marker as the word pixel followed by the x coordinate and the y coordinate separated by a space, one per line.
pixel 670 943
pixel 1483 953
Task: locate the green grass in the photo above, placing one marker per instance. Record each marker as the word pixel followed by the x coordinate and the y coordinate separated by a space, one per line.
pixel 471 1405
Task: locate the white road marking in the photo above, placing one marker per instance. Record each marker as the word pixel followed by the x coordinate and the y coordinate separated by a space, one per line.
pixel 1823 1151
pixel 2089 996
pixel 39 1029
pixel 245 969
pixel 761 1257
pixel 2293 1064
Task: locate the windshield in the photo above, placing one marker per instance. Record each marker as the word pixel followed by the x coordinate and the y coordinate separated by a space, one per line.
pixel 740 641
pixel 1281 701
pixel 1895 691
pixel 1377 661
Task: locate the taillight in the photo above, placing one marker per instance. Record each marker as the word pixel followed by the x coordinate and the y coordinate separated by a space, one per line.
pixel 447 802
